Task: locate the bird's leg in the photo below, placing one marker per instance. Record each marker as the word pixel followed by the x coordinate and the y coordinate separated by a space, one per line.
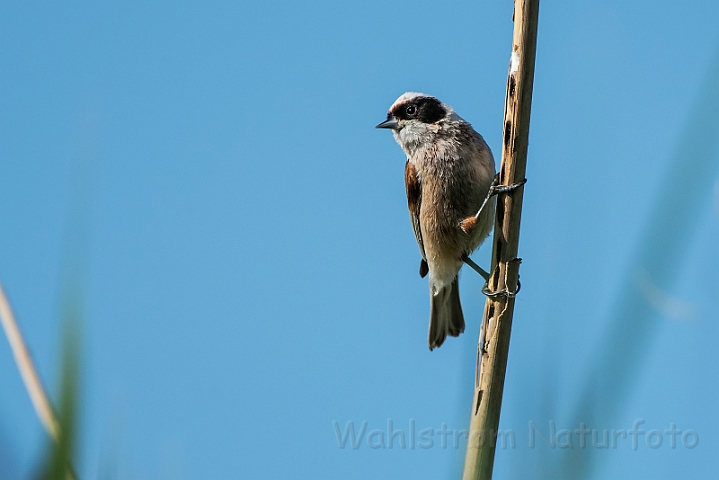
pixel 475 267
pixel 495 189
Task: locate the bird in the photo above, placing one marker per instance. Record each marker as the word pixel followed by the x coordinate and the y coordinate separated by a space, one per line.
pixel 448 178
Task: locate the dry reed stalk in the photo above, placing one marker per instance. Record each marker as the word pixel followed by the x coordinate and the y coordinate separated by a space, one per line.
pixel 499 308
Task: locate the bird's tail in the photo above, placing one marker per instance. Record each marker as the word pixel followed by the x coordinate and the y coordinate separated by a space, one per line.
pixel 445 315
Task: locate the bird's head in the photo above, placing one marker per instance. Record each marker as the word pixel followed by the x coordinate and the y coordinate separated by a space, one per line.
pixel 416 118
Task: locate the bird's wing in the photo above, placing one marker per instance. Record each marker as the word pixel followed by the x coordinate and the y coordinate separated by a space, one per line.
pixel 414 201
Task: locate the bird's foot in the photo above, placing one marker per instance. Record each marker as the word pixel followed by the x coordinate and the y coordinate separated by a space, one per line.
pixel 503 292
pixel 485 289
pixel 495 189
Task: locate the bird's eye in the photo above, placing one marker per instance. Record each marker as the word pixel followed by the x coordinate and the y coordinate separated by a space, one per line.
pixel 411 110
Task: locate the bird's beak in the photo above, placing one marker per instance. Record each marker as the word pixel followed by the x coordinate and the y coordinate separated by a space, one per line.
pixel 389 123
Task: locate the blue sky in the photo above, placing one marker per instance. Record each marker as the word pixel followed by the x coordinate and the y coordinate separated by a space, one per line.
pixel 209 175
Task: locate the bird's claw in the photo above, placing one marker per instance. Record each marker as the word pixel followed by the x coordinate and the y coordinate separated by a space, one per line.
pixel 503 292
pixel 496 188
